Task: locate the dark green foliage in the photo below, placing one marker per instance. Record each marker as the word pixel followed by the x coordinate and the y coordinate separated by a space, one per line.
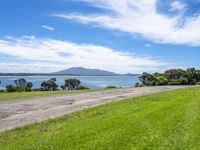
pixel 147 79
pixel 161 80
pixel 20 82
pixel 176 73
pixel 191 76
pixel 110 87
pixel 2 91
pixel 63 87
pixel 11 88
pixel 28 87
pixel 83 88
pixel 72 84
pixel 50 85
pixel 137 84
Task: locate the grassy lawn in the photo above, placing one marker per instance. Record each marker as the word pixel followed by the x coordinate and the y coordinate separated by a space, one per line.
pixel 169 120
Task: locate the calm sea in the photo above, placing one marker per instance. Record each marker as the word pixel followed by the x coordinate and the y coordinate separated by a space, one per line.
pixel 93 82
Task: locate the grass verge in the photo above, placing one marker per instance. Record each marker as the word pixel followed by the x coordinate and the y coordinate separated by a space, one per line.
pixel 27 95
pixel 169 120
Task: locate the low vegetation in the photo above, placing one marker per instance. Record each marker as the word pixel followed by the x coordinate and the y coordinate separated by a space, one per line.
pixel 169 120
pixel 111 87
pixel 49 85
pixel 35 94
pixel 191 76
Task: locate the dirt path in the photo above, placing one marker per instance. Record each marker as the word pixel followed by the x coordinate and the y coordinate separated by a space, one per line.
pixel 17 113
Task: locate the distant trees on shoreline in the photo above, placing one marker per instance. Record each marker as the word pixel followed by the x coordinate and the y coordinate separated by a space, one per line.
pixel 49 85
pixel 21 86
pixel 190 76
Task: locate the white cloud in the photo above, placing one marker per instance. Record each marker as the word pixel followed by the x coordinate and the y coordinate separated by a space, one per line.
pixel 147 45
pixel 52 55
pixel 47 27
pixel 176 5
pixel 141 17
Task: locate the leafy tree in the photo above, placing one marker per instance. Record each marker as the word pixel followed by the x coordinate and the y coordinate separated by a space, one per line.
pixel 28 87
pixel 20 82
pixel 147 79
pixel 161 80
pixel 45 85
pixel 50 85
pixel 191 76
pixel 176 73
pixel 72 84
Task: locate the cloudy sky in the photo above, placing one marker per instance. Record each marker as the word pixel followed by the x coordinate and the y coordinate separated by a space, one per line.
pixel 115 35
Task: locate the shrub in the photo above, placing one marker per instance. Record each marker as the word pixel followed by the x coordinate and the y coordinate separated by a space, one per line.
pixel 181 81
pixel 20 89
pixel 110 87
pixel 141 85
pixel 11 88
pixel 72 84
pixel 83 88
pixel 28 86
pixel 63 87
pixel 1 91
pixel 161 80
pixel 137 84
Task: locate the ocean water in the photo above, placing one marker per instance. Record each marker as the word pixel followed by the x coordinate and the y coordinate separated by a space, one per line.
pixel 92 82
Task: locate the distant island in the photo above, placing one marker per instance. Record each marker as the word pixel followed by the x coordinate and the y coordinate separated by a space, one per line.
pixel 74 71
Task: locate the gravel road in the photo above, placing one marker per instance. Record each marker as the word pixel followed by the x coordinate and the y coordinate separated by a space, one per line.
pixel 17 113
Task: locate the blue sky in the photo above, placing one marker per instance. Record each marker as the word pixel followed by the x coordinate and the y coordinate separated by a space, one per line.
pixel 146 35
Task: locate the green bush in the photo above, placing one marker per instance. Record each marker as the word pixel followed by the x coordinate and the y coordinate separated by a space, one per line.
pixel 110 87
pixel 83 88
pixel 11 88
pixel 137 84
pixel 28 86
pixel 20 89
pixel 181 81
pixel 161 80
pixel 141 85
pixel 1 91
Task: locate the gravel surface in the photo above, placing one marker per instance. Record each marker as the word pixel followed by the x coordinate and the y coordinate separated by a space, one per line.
pixel 17 113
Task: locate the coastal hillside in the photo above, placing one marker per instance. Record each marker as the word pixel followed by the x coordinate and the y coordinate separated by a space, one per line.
pixel 85 71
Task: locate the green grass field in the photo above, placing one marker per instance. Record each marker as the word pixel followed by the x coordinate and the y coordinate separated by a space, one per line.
pixel 169 120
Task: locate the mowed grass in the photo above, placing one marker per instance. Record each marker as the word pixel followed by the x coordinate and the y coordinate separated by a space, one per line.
pixel 169 120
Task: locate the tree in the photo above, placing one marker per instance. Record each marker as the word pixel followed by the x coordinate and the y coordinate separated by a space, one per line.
pixel 20 82
pixel 176 73
pixel 193 76
pixel 45 85
pixel 28 87
pixel 147 79
pixel 161 80
pixel 72 84
pixel 50 85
